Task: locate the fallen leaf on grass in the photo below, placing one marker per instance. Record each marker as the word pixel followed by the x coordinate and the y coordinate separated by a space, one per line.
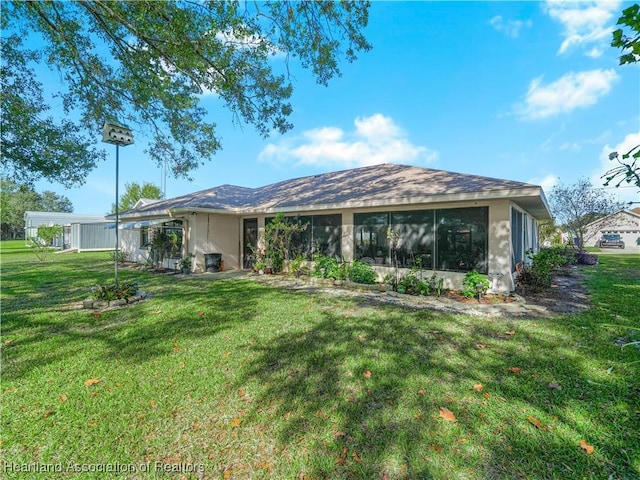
pixel 62 398
pixel 8 341
pixel 480 346
pixel 91 381
pixel 367 374
pixel 356 457
pixel 514 369
pixel 447 414
pixel 421 392
pixel 152 404
pixel 236 422
pixel 510 332
pixel 554 386
pixel 478 386
pixel 586 447
pixel 200 314
pixel 535 422
pixel 435 448
pixel 226 474
pixel 342 457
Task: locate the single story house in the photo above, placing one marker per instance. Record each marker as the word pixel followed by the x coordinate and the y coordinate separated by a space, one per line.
pixel 450 222
pixel 624 223
pixel 80 232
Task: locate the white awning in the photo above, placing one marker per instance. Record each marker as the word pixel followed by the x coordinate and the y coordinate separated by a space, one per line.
pixel 139 224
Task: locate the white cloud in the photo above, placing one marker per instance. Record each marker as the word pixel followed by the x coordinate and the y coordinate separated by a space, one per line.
pixel 571 91
pixel 570 146
pixel 585 23
pixel 547 182
pixel 510 27
pixel 595 52
pixel 625 193
pixel 375 139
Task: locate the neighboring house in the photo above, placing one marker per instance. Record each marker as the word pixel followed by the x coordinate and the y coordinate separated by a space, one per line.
pixel 624 223
pixel 80 232
pixel 452 222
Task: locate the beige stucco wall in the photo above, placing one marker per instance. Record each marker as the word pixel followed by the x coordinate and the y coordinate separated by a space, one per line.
pixel 222 233
pixel 212 233
pixel 130 244
pixel 499 260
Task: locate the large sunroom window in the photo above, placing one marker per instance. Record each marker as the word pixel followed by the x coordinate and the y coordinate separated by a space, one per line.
pixel 453 239
pixel 462 239
pixel 323 236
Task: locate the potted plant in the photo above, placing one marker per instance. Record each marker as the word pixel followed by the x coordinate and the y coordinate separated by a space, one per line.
pixel 259 266
pixel 185 263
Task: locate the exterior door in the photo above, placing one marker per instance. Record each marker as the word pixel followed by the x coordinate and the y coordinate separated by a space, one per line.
pixel 250 241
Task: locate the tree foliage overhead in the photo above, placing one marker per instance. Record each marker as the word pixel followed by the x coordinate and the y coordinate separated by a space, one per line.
pixel 134 192
pixel 33 145
pixel 628 43
pixel 629 170
pixel 148 64
pixel 576 206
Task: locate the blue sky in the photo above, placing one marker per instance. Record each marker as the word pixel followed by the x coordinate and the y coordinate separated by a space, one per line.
pixel 526 91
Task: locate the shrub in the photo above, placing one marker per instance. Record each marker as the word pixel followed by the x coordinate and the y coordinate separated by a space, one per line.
pixel 435 284
pixel 328 267
pixel 537 275
pixel 42 244
pixel 122 256
pixel 474 284
pixel 298 267
pixel 412 285
pixel 110 291
pixel 360 272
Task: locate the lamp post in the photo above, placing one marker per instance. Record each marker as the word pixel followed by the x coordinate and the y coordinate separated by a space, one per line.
pixel 118 135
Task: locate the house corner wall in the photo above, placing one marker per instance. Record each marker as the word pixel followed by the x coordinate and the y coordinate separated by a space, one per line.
pixel 500 247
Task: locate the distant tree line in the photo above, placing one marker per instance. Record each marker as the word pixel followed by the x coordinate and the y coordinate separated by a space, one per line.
pixel 15 199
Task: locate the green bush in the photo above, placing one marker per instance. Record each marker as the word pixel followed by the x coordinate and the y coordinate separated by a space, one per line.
pixel 328 267
pixel 412 285
pixel 435 284
pixel 110 291
pixel 537 275
pixel 298 267
pixel 474 284
pixel 360 272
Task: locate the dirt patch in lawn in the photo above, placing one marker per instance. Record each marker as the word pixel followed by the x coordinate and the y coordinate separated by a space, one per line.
pixel 567 294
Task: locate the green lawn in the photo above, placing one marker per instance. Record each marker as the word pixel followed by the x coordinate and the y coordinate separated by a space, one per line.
pixel 234 379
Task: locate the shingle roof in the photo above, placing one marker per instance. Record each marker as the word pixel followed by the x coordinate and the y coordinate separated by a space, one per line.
pixel 386 182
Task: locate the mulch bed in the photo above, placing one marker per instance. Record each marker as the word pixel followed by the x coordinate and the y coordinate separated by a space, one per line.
pixel 567 294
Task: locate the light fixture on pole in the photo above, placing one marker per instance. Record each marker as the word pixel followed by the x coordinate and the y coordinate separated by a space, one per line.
pixel 120 136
